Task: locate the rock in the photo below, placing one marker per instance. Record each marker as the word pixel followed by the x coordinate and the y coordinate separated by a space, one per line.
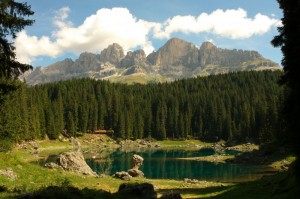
pixel 191 181
pixel 136 161
pixel 171 195
pixel 135 173
pixel 123 175
pixel 74 161
pixel 9 173
pixel 52 165
pixel 144 190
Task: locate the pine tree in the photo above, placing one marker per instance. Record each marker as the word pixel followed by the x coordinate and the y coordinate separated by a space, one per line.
pixel 12 21
pixel 289 41
pixel 70 124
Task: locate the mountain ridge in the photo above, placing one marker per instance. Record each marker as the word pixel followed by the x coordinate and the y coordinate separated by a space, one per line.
pixel 176 59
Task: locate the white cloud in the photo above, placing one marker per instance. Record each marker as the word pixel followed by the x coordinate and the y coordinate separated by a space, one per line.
pixel 29 47
pixel 60 17
pixel 118 25
pixel 94 34
pixel 232 24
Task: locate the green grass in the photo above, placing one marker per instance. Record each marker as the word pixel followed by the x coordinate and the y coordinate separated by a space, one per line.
pixel 186 144
pixel 279 186
pixel 136 78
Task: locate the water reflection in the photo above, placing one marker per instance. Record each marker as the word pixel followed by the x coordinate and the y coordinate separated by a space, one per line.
pixel 164 164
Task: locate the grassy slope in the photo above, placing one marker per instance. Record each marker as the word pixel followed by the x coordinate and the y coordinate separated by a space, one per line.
pixel 136 78
pixel 33 177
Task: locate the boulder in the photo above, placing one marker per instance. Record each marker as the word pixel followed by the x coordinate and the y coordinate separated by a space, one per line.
pixel 136 161
pixel 74 161
pixel 135 173
pixel 144 190
pixel 123 175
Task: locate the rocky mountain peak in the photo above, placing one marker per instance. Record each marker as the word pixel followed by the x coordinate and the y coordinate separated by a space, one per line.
pixel 207 45
pixel 137 57
pixel 87 59
pixel 175 52
pixel 113 53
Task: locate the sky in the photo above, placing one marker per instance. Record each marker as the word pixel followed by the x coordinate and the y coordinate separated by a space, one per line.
pixel 66 28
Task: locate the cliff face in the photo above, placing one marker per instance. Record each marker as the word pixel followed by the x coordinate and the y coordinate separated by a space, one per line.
pixel 174 60
pixel 210 54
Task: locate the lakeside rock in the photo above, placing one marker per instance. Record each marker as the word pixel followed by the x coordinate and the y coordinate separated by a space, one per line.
pixel 123 175
pixel 72 161
pixel 135 173
pixel 136 161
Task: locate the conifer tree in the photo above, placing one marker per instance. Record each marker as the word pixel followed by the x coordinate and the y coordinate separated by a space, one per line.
pixel 289 41
pixel 12 21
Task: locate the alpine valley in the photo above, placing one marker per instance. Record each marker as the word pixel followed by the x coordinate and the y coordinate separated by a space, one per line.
pixel 176 59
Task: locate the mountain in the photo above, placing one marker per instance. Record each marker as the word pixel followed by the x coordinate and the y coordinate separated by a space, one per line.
pixel 176 59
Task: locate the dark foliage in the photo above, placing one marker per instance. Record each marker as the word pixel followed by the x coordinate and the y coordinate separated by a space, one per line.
pixel 236 107
pixel 12 21
pixel 289 41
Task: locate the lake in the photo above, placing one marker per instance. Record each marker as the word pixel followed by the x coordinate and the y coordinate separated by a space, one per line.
pixel 164 164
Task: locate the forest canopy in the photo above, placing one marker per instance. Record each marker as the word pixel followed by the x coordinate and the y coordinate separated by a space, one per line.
pixel 240 106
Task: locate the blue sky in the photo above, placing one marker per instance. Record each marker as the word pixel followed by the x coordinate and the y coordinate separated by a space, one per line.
pixel 66 28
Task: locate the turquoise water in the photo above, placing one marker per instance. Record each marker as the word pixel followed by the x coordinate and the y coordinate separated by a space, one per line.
pixel 164 164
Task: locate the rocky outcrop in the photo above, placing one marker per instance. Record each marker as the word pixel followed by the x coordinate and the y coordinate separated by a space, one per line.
pixel 72 161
